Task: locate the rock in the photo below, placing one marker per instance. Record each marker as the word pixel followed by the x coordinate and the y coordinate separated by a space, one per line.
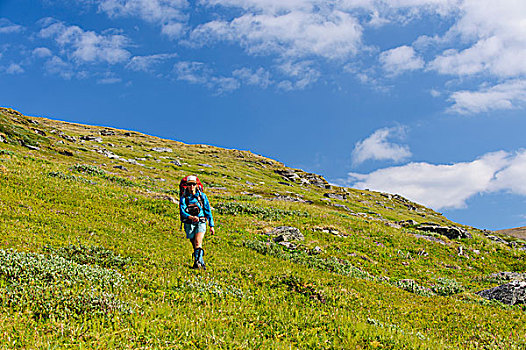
pixel 2 139
pixel 496 239
pixel 161 149
pixel 34 148
pixel 508 276
pixel 406 223
pixel 67 137
pixel 91 138
pixel 335 196
pixel 511 293
pixel 176 162
pixel 107 132
pixel 205 165
pixel 302 177
pixel 288 245
pixel 121 167
pixel 286 234
pixel 451 232
pixel 280 197
pixel 107 153
pixel 40 132
pixel 284 183
pixel 342 206
pixel 250 183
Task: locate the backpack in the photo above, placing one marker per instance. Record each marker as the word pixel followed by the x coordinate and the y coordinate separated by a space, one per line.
pixel 183 195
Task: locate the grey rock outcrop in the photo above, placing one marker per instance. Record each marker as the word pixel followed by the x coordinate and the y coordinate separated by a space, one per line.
pixel 451 232
pixel 162 149
pixel 511 293
pixel 302 177
pixel 91 138
pixel 107 132
pixel 176 162
pixel 286 234
pixel 335 196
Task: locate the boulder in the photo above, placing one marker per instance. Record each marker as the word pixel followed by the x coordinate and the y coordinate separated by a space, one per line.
pixel 335 196
pixel 451 232
pixel 176 162
pixel 162 149
pixel 511 293
pixel 107 132
pixel 91 138
pixel 286 234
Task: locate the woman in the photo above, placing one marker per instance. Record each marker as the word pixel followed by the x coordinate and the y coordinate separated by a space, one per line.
pixel 195 211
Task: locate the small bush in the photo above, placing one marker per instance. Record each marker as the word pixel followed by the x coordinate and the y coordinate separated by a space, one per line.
pixel 413 287
pixel 265 213
pixel 91 255
pixel 445 286
pixel 120 180
pixel 52 286
pixel 88 169
pixel 330 264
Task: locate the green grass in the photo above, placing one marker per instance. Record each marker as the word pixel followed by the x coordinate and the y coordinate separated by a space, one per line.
pixel 93 257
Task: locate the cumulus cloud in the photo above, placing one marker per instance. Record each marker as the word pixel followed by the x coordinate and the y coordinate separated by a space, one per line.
pixel 449 185
pixel 169 14
pixel 401 59
pixel 146 63
pixel 87 46
pixel 6 26
pixel 508 95
pixel 200 73
pixel 42 52
pixel 259 77
pixel 294 32
pixel 496 38
pixel 14 68
pixel 377 146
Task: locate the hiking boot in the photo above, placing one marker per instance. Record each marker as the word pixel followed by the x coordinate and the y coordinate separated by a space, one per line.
pixel 199 252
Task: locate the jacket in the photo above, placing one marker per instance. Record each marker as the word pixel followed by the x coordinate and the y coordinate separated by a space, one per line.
pixel 205 211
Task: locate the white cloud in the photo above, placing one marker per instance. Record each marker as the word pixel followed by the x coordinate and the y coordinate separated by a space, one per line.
pixel 508 95
pixel 169 14
pixel 449 186
pixel 145 63
pixel 42 52
pixel 302 74
pixel 401 59
pixel 56 66
pixel 6 27
pixel 260 77
pixel 14 68
pixel 87 46
pixel 329 34
pixel 200 73
pixel 496 36
pixel 377 146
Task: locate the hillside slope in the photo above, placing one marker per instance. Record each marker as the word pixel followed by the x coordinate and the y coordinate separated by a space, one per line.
pixel 93 254
pixel 518 232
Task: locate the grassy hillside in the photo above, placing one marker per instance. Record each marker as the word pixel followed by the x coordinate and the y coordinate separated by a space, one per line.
pixel 518 232
pixel 92 254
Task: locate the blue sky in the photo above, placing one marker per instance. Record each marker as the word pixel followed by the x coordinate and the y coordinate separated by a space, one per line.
pixel 425 98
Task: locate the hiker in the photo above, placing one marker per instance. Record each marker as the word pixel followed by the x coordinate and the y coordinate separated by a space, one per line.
pixel 195 211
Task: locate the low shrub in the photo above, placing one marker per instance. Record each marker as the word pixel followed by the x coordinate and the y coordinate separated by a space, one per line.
pixel 88 169
pixel 445 286
pixel 91 255
pixel 233 208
